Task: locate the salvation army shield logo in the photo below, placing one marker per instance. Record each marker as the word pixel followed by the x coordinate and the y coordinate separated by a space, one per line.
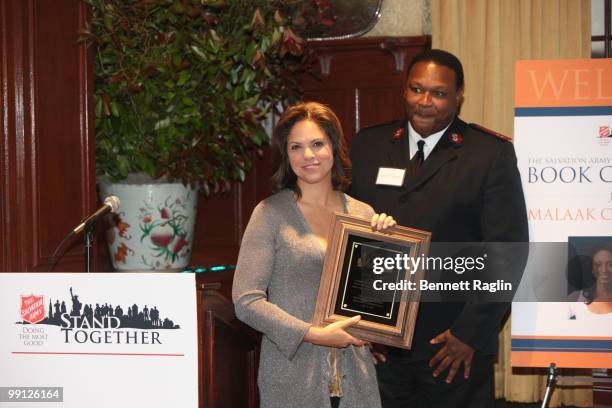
pixel 32 308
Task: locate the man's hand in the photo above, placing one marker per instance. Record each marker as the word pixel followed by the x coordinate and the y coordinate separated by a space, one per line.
pixel 379 352
pixel 382 222
pixel 452 354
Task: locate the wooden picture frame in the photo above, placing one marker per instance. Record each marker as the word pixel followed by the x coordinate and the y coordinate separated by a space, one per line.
pixel 349 285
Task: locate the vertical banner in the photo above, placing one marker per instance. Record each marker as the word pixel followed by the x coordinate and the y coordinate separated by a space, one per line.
pixel 563 141
pixel 98 340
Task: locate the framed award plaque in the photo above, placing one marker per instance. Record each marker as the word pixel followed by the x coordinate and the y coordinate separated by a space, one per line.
pixel 372 274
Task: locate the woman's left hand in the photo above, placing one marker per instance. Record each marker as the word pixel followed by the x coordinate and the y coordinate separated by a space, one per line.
pixel 382 222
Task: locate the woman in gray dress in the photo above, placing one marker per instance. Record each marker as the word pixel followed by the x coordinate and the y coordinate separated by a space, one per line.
pixel 279 269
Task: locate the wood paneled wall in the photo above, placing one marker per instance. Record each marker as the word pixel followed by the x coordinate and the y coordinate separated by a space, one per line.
pixel 361 80
pixel 222 218
pixel 47 154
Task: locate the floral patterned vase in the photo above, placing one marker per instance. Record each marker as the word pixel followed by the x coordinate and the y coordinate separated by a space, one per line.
pixel 153 228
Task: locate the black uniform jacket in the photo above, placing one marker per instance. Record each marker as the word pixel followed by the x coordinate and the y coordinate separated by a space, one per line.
pixel 467 190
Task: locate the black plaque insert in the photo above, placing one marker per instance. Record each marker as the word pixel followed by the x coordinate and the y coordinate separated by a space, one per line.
pixel 356 292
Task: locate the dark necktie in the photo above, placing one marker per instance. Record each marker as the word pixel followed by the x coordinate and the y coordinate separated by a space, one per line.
pixel 418 158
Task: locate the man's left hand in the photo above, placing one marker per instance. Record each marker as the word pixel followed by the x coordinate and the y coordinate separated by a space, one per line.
pixel 451 355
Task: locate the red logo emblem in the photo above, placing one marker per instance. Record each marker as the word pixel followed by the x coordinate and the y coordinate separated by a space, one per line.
pixel 32 308
pixel 604 131
pixel 455 138
pixel 398 134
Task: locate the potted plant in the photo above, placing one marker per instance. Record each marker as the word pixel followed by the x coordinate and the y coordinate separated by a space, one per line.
pixel 181 92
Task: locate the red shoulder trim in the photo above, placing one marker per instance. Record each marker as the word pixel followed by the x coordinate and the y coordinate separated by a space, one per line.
pixel 491 132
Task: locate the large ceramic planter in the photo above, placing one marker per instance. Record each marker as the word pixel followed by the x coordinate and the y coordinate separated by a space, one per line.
pixel 153 228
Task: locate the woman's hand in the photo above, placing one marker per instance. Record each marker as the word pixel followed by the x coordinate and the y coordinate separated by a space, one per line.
pixel 334 334
pixel 382 222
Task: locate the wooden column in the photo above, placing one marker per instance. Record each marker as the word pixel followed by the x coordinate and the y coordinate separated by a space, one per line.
pixel 46 151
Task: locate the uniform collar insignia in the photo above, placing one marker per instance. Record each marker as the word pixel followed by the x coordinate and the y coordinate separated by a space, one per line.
pixel 399 133
pixel 455 138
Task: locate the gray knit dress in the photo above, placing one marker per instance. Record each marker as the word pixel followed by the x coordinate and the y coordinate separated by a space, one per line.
pixel 275 289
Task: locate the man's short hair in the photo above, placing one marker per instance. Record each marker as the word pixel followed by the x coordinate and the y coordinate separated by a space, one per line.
pixel 440 57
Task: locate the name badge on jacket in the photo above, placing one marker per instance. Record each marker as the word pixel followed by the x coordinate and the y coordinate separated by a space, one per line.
pixel 388 176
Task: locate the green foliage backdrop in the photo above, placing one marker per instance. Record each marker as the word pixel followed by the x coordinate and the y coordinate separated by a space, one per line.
pixel 182 86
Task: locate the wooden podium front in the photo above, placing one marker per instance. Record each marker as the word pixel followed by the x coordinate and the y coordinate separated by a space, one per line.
pixel 229 349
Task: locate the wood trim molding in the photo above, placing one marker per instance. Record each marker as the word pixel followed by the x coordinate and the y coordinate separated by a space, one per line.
pixel 14 129
pixel 45 110
pixel 86 119
pixel 4 142
pixel 395 47
pixel 368 43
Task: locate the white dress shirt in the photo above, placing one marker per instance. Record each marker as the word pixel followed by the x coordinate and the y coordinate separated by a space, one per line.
pixel 430 141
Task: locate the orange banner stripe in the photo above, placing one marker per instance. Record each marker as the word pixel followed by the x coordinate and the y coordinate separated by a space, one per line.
pixel 559 83
pixel 561 337
pixel 562 360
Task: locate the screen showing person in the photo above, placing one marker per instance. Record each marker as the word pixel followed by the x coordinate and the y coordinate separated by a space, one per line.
pixel 590 275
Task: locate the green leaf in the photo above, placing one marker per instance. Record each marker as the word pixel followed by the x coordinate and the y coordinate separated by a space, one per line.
pixel 98 107
pixel 176 59
pixel 183 78
pixel 162 124
pixel 114 108
pixel 199 52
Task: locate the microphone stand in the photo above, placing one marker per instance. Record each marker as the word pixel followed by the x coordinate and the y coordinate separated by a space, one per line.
pixel 551 380
pixel 111 204
pixel 88 247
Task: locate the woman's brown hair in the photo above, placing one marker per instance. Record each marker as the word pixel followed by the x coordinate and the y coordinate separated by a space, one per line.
pixel 283 176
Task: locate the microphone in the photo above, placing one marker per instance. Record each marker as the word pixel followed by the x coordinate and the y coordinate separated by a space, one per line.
pixel 111 204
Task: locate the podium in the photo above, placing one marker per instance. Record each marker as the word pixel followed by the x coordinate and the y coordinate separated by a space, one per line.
pixel 229 349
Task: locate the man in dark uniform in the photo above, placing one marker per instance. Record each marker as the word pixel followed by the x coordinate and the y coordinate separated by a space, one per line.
pixel 436 173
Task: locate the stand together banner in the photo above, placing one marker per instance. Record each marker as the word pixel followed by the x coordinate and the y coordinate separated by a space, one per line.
pixel 563 140
pixel 99 340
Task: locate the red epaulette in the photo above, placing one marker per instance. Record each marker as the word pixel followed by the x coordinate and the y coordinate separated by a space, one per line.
pixel 491 132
